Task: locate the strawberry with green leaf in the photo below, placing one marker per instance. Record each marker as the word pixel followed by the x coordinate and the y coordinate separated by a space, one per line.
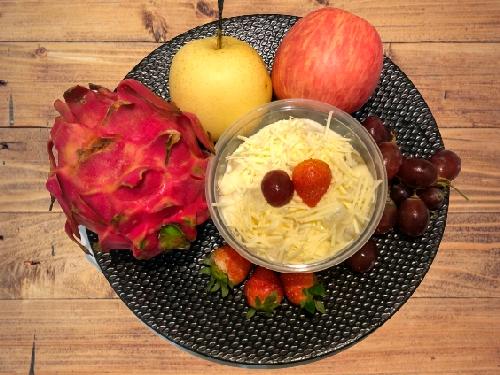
pixel 304 290
pixel 226 269
pixel 263 291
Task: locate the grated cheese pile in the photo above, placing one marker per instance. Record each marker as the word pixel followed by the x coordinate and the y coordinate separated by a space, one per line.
pixel 296 233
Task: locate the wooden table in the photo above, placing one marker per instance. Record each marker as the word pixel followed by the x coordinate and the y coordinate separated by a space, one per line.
pixel 58 315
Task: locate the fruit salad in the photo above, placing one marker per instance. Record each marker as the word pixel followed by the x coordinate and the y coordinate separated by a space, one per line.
pixel 328 205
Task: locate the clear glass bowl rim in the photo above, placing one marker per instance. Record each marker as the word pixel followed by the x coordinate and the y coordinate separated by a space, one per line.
pixel 290 105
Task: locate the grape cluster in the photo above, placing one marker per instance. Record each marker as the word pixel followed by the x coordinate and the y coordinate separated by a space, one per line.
pixel 415 190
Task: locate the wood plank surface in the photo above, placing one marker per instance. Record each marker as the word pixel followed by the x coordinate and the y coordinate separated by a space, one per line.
pixel 457 80
pixel 40 261
pixel 58 314
pixel 24 168
pixel 428 336
pixel 479 178
pixel 38 73
pixel 468 261
pixel 396 20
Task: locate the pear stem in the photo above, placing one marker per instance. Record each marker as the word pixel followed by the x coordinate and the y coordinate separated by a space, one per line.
pixel 219 39
pixel 219 24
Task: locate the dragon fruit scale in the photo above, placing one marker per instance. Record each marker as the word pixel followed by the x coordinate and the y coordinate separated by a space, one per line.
pixel 130 167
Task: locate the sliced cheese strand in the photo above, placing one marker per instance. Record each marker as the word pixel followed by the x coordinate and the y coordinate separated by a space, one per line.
pixel 296 233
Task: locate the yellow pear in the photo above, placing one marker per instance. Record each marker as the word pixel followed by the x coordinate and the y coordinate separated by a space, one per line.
pixel 218 85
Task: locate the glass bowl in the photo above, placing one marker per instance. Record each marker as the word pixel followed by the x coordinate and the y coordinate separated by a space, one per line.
pixel 251 123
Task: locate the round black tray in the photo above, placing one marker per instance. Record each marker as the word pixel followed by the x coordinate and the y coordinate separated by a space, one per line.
pixel 169 295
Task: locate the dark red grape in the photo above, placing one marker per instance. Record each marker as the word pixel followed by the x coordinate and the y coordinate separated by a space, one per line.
pixel 433 197
pixel 400 193
pixel 364 259
pixel 277 188
pixel 413 217
pixel 377 129
pixel 417 173
pixel 392 158
pixel 447 163
pixel 389 218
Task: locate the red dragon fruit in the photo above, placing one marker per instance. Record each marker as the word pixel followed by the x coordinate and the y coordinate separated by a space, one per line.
pixel 130 167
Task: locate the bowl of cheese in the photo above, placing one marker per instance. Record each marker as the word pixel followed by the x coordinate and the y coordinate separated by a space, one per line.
pixel 296 237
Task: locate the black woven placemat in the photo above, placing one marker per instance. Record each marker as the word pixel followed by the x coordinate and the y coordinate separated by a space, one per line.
pixel 169 295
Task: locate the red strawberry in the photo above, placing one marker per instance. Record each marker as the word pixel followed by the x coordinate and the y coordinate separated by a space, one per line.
pixel 311 179
pixel 226 268
pixel 263 291
pixel 302 289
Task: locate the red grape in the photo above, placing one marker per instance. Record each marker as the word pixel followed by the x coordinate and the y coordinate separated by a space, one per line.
pixel 400 193
pixel 377 129
pixel 277 188
pixel 433 197
pixel 364 259
pixel 389 217
pixel 447 163
pixel 392 158
pixel 413 217
pixel 417 173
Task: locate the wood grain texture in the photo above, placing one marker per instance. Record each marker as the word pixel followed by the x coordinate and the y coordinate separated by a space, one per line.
pixel 457 80
pixel 58 315
pixel 468 261
pixel 407 20
pixel 479 179
pixel 39 261
pixel 24 167
pixel 103 337
pixel 38 73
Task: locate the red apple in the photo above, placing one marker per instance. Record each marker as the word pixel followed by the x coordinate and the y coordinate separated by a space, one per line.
pixel 329 55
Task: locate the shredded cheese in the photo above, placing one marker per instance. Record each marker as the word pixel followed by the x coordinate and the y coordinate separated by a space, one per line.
pixel 296 233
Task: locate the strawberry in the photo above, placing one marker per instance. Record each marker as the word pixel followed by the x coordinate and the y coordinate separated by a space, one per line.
pixel 311 179
pixel 302 289
pixel 263 291
pixel 226 268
